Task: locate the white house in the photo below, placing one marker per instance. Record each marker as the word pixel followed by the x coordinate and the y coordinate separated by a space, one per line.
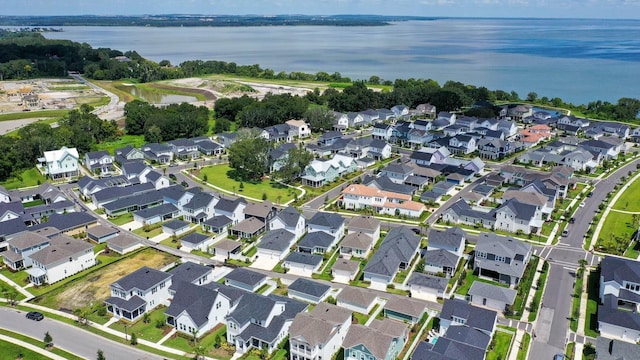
pixel 138 292
pixel 619 291
pixel 330 223
pixel 64 257
pixel 318 334
pixel 99 162
pixel 358 196
pixel 291 220
pixel 61 163
pixel 300 128
pixel 427 287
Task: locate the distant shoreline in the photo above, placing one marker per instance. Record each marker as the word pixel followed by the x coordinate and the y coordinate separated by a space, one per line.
pixel 205 20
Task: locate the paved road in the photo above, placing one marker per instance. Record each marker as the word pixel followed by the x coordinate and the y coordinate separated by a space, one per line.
pixel 70 338
pixel 113 110
pixel 553 320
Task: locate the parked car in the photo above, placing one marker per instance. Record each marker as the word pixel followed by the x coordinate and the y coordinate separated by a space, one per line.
pixel 590 193
pixel 558 357
pixel 582 204
pixel 35 315
pixel 565 233
pixel 572 220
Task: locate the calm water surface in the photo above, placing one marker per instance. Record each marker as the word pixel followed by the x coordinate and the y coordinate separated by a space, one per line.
pixel 577 60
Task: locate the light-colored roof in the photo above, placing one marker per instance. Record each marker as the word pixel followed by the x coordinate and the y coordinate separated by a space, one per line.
pixel 364 223
pixel 356 296
pixel 297 123
pixel 351 266
pixel 28 239
pixel 56 155
pixel 357 240
pixel 62 247
pixel 122 240
pixel 490 291
pixel 226 244
pixel 408 306
pixel 363 190
pixel 525 197
pixel 319 325
pixel 375 341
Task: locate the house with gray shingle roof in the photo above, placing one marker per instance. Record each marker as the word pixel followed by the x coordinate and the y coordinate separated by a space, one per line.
pixel 196 241
pixel 501 258
pixel 195 309
pixel 345 270
pixel 456 312
pixel 263 211
pixel 101 233
pixel 318 334
pixel 492 296
pixel 248 228
pixel 366 224
pixel 611 349
pixel 301 263
pixel 427 287
pixel 404 309
pixel 138 292
pixel 218 224
pixel 245 279
pixel 176 227
pixel 275 244
pixel 123 244
pixel 356 299
pixel 395 253
pixel 156 214
pixel 317 242
pixel 452 239
pixel 291 220
pixel 619 296
pixel 261 321
pixel 200 207
pixel 190 272
pixel 440 261
pixel 460 342
pixel 309 290
pixel 381 343
pixel 233 209
pixel 328 222
pixel 515 216
pixel 21 247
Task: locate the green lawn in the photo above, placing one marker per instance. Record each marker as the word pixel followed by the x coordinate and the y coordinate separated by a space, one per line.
pixel 628 200
pixel 542 280
pixel 616 232
pixel 524 347
pixel 20 277
pixel 153 231
pixel 5 288
pixel 217 175
pixel 208 342
pixel 633 251
pixel 38 343
pixel 146 331
pixel 575 304
pixel 11 351
pixel 572 193
pixel 133 140
pixel 33 114
pixel 30 177
pixel 470 279
pixel 499 346
pixel 360 318
pixel 591 321
pixel 523 288
pixel 33 203
pixel 121 219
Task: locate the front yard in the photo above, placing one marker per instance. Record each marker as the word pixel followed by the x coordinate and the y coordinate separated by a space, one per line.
pixel 499 346
pixel 153 330
pixel 218 175
pixel 121 219
pixel 213 344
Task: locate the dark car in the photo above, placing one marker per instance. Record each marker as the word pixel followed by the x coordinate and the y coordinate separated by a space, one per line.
pixel 558 357
pixel 173 177
pixel 35 315
pixel 572 220
pixel 416 231
pixel 590 194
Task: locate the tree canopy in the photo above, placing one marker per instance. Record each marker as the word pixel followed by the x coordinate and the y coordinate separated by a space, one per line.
pixel 249 156
pixel 165 123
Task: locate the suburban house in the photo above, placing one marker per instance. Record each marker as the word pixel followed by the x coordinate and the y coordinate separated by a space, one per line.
pixel 493 296
pixel 280 133
pixel 263 211
pixel 381 340
pixel 612 349
pixel 123 244
pixel 195 309
pixel 99 162
pixel 308 290
pixel 357 299
pixel 200 207
pixel 102 233
pixel 190 272
pixel 501 258
pixel 515 216
pixel 138 292
pixel 345 270
pixel 318 334
pixel 382 131
pixel 158 153
pixel 396 253
pixel 196 241
pixel 404 309
pixel 365 224
pixel 64 257
pixel 302 263
pixel 248 228
pixel 317 242
pixel 356 244
pixel 207 146
pixel 619 297
pixel 320 172
pixel 427 287
pixel 440 262
pixel 291 220
pixel 358 196
pixel 275 244
pixel 261 321
pixel 62 163
pixel 127 153
pixel 184 149
pixel 427 110
pixel 4 195
pixel 330 223
pixel 233 209
pixel 300 128
pixel 16 257
pixel 245 279
pixel 466 333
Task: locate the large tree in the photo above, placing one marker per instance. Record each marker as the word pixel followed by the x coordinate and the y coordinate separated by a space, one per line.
pixel 294 164
pixel 319 118
pixel 249 156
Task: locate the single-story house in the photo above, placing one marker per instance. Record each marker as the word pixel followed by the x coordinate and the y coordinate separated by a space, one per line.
pixel 303 264
pixel 176 227
pixel 226 248
pixel 427 287
pixel 102 233
pixel 492 296
pixel 357 299
pixel 275 244
pixel 123 244
pixel 245 279
pixel 308 290
pixel 404 309
pixel 345 270
pixel 196 241
pixel 248 228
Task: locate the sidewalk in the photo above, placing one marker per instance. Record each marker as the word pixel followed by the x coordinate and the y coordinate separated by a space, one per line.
pixel 20 289
pixel 31 347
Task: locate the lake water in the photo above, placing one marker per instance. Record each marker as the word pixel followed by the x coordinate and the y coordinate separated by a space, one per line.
pixel 576 60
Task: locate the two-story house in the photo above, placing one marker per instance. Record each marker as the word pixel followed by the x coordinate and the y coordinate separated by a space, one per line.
pixel 382 131
pixel 64 257
pixel 233 209
pixel 159 153
pixel 127 153
pixel 398 173
pixel 318 334
pixel 300 128
pixel 291 220
pixel 619 299
pixel 184 149
pixel 58 164
pixel 200 208
pixel 139 292
pixel 501 258
pixel 395 253
pixel 21 247
pixel 99 162
pixel 330 223
pixel 516 216
pixel 261 322
pixel 381 340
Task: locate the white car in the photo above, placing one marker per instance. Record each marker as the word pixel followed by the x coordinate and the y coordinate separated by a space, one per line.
pixel 582 204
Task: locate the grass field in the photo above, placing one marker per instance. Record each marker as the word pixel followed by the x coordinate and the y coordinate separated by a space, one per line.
pixel 11 351
pixel 616 232
pixel 33 114
pixel 5 288
pixel 30 177
pixel 217 175
pixel 122 219
pixel 501 346
pixel 94 287
pixel 133 140
pixel 470 279
pixel 111 86
pixel 322 85
pixel 628 200
pixel 591 321
pixel 146 331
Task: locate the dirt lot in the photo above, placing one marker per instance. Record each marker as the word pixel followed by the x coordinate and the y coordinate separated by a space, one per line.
pixel 237 88
pixel 95 286
pixel 51 94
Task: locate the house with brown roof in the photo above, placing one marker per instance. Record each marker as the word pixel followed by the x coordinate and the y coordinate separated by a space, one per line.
pixel 357 244
pixel 318 334
pixel 357 299
pixel 345 270
pixel 365 224
pixel 382 340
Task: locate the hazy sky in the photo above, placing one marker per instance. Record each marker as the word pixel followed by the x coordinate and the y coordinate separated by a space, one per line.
pixel 629 9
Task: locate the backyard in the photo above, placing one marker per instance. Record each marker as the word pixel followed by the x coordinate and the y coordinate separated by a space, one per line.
pixel 217 175
pixel 94 286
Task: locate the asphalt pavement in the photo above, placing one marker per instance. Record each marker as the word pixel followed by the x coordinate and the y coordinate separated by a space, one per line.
pixel 70 338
